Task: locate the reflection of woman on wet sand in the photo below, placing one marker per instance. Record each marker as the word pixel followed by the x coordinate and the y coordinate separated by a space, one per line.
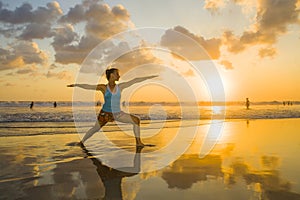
pixel 111 109
pixel 112 178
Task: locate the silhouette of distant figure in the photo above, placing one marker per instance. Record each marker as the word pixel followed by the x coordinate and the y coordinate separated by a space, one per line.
pixel 123 103
pixel 54 104
pixel 283 103
pixel 98 103
pixel 247 103
pixel 288 103
pixel 31 104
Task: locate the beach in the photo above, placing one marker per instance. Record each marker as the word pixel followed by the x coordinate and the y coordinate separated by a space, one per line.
pixel 252 159
pixel 149 100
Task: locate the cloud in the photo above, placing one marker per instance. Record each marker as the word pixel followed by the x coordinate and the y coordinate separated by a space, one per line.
pixel 21 54
pixel 25 14
pixel 227 64
pixel 75 15
pixel 30 53
pixel 9 84
pixel 177 42
pixel 62 75
pixel 142 57
pixel 25 23
pixel 137 57
pixel 189 72
pixel 120 12
pixel 124 57
pixel 36 31
pixel 30 24
pixel 233 42
pixel 272 21
pixel 26 70
pixel 69 47
pixel 101 22
pixel 267 52
pixel 53 66
pixel 22 14
pixel 276 15
pixel 214 5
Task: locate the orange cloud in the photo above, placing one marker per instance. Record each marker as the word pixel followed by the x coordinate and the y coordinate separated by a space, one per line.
pixel 232 42
pixel 267 52
pixel 27 70
pixel 272 20
pixel 101 22
pixel 9 84
pixel 227 64
pixel 182 45
pixel 21 54
pixel 214 5
pixel 62 75
pixel 136 56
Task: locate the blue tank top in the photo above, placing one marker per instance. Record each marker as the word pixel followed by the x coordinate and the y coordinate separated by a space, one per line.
pixel 112 100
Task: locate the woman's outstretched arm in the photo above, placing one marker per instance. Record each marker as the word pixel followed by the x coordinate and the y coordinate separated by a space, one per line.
pixel 89 87
pixel 136 80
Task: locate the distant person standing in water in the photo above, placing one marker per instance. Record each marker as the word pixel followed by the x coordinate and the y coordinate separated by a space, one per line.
pixel 247 103
pixel 54 104
pixel 111 109
pixel 98 103
pixel 31 105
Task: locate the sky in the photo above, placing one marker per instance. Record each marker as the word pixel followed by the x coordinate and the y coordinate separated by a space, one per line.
pixel 253 45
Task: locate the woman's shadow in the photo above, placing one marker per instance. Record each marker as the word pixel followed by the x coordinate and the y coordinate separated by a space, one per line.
pixel 112 178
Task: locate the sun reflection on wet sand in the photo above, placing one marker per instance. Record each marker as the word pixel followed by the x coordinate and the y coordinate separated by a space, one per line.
pixel 257 159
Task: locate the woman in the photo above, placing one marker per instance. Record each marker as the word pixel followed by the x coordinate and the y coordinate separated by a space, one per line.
pixel 111 109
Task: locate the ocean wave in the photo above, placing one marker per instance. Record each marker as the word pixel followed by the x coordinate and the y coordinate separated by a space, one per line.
pixel 89 114
pixel 140 103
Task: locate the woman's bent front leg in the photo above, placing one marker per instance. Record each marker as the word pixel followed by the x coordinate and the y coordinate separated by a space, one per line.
pixel 91 132
pixel 135 121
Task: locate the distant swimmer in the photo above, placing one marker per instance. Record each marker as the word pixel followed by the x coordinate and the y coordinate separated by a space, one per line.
pixel 31 105
pixel 111 109
pixel 247 103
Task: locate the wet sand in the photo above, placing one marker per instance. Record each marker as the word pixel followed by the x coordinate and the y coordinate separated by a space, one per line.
pixel 256 159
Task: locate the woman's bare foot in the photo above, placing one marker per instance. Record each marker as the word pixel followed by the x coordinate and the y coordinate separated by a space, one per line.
pixel 81 144
pixel 140 144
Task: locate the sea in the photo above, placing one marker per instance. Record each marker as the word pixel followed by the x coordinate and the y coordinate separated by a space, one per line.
pixel 255 158
pixel 18 119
